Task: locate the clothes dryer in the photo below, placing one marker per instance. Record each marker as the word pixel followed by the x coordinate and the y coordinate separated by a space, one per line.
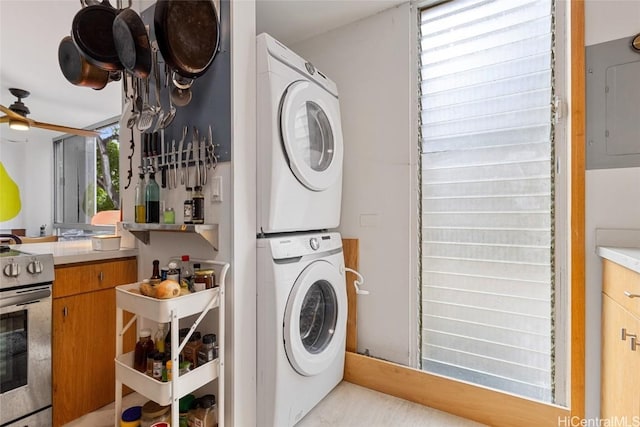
pixel 299 138
pixel 302 318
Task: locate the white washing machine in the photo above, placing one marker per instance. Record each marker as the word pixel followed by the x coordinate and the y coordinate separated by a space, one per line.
pixel 302 320
pixel 299 137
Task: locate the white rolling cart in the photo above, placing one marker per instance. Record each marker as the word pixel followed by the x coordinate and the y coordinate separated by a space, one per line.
pixel 170 311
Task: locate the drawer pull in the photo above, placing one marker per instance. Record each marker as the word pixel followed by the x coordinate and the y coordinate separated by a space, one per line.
pixel 101 276
pixel 624 334
pixel 634 343
pixel 630 295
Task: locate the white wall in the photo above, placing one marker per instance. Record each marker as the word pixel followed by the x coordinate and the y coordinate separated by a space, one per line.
pixel 30 165
pixel 370 62
pixel 612 195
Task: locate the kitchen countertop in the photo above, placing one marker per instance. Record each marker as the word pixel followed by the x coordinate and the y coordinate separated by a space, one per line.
pixel 626 257
pixel 73 251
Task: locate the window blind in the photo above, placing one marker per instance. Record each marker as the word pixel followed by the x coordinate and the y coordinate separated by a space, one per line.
pixel 486 188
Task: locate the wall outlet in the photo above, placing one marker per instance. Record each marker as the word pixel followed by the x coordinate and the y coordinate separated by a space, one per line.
pixel 216 189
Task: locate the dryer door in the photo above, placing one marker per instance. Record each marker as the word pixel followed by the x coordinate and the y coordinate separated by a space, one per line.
pixel 312 134
pixel 315 318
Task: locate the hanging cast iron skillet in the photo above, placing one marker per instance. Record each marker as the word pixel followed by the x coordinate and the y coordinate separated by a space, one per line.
pixel 188 34
pixel 92 33
pixel 132 43
pixel 77 70
pixel 635 43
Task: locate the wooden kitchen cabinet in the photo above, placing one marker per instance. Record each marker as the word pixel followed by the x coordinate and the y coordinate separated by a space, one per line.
pixel 83 335
pixel 620 389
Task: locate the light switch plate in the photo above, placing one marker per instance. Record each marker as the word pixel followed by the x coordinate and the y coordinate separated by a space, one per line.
pixel 216 189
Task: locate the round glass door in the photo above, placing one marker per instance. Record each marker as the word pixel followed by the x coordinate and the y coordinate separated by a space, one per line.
pixel 315 318
pixel 312 135
pixel 318 317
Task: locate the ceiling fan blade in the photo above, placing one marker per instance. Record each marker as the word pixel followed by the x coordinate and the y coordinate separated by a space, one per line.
pixel 4 119
pixel 64 129
pixel 11 114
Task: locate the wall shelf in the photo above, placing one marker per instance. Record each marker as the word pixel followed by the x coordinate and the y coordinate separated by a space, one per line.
pixel 208 232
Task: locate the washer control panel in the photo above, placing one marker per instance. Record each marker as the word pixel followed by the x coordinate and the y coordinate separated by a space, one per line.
pixel 301 245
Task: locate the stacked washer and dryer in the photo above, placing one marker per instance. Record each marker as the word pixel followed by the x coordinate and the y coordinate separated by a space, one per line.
pixel 301 295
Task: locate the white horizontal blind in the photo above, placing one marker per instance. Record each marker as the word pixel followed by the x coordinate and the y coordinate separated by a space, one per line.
pixel 486 90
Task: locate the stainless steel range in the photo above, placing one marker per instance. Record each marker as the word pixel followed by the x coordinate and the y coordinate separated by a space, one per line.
pixel 25 338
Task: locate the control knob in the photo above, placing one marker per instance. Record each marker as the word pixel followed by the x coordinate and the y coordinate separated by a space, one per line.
pixel 34 267
pixel 11 270
pixel 314 243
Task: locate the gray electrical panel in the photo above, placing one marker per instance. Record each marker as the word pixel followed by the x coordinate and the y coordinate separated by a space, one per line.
pixel 613 105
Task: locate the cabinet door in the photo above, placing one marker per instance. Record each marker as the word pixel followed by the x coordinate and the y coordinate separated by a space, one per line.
pixel 74 279
pixel 620 390
pixel 83 353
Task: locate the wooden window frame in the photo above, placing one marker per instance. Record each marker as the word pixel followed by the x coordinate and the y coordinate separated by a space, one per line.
pixel 476 402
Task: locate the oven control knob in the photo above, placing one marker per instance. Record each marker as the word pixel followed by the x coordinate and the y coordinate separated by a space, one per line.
pixel 34 267
pixel 11 270
pixel 314 243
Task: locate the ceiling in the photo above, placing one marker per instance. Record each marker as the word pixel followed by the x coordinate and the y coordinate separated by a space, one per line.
pixel 31 30
pixel 292 21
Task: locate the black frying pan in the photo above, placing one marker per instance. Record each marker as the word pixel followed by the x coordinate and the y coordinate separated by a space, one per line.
pixel 92 33
pixel 132 43
pixel 188 34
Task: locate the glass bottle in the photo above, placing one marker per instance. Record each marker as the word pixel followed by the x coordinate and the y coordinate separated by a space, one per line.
pixel 188 207
pixel 152 200
pixel 144 346
pixel 155 276
pixel 140 216
pixel 197 215
pixel 169 216
pixel 186 272
pixel 161 334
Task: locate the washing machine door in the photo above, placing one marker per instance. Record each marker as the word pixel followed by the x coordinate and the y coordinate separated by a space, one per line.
pixel 312 134
pixel 315 318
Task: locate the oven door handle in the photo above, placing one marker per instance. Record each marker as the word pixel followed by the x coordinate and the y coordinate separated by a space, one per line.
pixel 26 298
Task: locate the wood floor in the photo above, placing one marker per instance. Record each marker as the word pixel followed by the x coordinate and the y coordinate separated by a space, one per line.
pixel 348 405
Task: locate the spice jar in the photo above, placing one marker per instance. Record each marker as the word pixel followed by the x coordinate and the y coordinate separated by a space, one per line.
pixel 208 350
pixel 205 413
pixel 158 360
pixel 153 413
pixel 190 351
pixel 204 279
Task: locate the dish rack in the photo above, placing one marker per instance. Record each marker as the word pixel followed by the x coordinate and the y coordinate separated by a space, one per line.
pixel 170 311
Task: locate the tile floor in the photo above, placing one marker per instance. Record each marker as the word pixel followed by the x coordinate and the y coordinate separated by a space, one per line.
pixel 347 405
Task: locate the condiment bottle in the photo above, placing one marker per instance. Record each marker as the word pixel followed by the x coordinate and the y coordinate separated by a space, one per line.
pixel 152 200
pixel 155 276
pixel 140 216
pixel 160 337
pixel 173 273
pixel 144 346
pixel 188 208
pixel 208 350
pixel 197 215
pixel 186 272
pixel 157 366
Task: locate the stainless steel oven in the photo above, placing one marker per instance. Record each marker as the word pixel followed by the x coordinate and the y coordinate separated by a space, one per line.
pixel 25 339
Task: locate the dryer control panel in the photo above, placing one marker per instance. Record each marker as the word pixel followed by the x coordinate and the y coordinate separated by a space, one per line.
pixel 296 246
